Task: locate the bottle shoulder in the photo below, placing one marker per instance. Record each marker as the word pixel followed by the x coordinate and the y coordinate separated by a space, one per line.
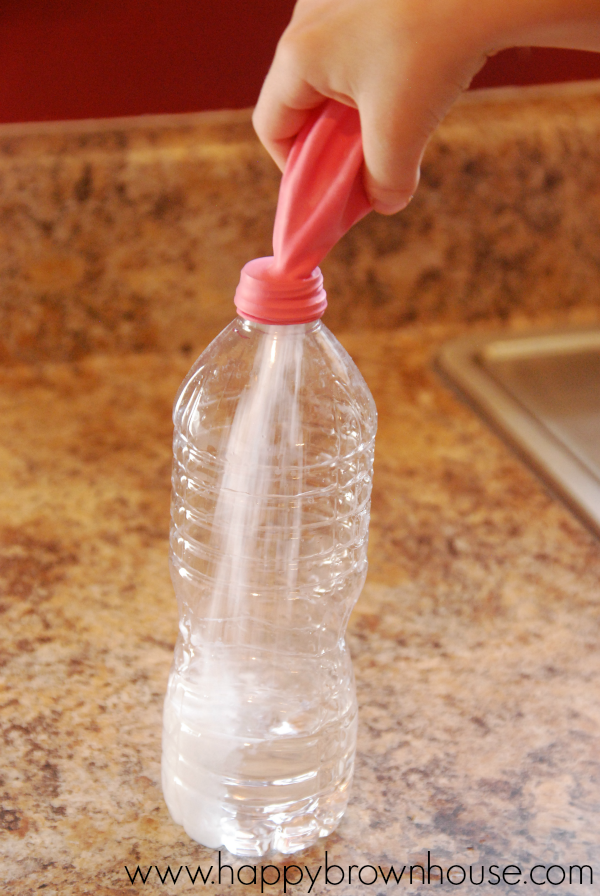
pixel 302 371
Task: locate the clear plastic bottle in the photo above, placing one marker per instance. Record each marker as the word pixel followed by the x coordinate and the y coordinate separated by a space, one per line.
pixel 274 437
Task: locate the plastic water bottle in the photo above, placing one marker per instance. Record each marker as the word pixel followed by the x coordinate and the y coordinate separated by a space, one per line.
pixel 274 437
pixel 273 460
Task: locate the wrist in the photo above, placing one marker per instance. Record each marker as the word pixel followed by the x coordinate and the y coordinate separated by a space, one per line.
pixel 568 24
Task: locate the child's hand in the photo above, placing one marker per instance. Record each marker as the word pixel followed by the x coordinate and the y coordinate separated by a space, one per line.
pixel 402 63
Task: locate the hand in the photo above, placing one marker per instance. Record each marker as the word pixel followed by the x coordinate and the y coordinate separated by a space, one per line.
pixel 401 63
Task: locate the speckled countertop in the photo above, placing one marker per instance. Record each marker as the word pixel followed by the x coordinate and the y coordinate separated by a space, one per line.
pixel 475 642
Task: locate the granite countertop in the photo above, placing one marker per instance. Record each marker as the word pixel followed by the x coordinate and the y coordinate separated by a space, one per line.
pixel 475 642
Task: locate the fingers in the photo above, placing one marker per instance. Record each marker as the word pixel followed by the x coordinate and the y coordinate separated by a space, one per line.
pixel 309 67
pixel 285 102
pixel 277 123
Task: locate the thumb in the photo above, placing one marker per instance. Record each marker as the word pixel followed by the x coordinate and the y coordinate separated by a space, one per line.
pixel 397 120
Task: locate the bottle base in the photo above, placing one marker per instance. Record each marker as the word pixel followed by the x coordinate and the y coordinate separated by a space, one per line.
pixel 255 832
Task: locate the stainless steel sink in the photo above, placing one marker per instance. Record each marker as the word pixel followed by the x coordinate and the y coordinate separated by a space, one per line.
pixel 542 392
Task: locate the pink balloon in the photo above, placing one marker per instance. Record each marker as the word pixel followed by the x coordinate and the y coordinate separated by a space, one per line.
pixel 321 196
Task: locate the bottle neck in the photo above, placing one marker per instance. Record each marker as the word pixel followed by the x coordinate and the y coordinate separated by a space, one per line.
pixel 247 325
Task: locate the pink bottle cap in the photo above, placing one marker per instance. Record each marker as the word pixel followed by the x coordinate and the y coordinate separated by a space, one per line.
pixel 321 196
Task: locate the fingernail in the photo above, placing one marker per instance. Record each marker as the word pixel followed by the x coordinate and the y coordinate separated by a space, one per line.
pixel 390 208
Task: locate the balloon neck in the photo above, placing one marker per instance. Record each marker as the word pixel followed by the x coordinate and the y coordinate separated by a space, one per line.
pixel 268 296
